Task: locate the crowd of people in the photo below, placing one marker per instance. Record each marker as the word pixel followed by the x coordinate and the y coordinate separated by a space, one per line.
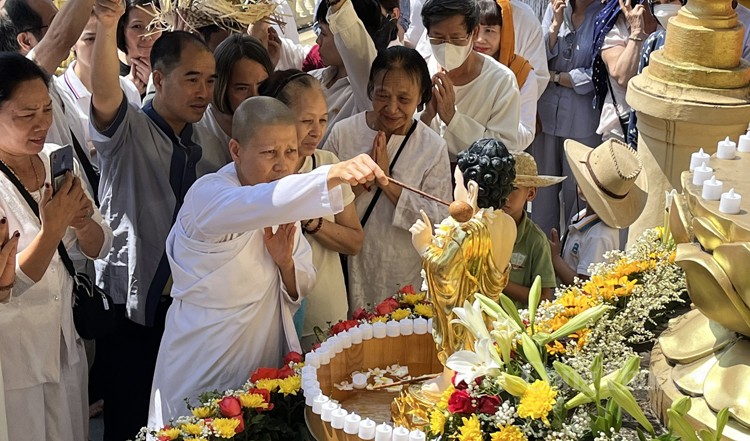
pixel 230 191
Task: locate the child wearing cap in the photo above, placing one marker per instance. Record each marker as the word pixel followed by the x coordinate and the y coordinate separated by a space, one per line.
pixel 615 191
pixel 531 252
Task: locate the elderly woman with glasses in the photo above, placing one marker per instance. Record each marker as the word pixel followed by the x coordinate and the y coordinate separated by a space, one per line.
pixel 565 106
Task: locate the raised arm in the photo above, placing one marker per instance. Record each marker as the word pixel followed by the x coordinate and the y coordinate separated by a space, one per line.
pixel 106 94
pixel 62 34
pixel 622 61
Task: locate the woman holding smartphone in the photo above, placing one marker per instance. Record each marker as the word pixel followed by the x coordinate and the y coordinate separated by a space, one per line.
pixel 44 364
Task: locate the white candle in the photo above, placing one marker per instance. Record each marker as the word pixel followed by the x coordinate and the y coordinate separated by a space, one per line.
pixel 312 359
pixel 407 326
pixel 324 354
pixel 744 145
pixel 383 432
pixel 351 424
pixel 712 189
pixel 346 339
pixel 393 328
pixel 338 344
pixel 429 325
pixel 327 410
pixel 726 149
pixel 311 395
pixel 318 403
pixel 417 435
pixel 379 330
pixel 359 381
pixel 366 429
pixel 356 335
pixel 730 202
pixel 400 434
pixel 420 326
pixel 702 173
pixel 338 417
pixel 366 329
pixel 698 158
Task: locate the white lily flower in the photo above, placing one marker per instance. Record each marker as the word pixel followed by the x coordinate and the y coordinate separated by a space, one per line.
pixel 504 333
pixel 470 365
pixel 471 317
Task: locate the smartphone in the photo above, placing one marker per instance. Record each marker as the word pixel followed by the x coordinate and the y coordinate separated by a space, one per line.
pixel 61 161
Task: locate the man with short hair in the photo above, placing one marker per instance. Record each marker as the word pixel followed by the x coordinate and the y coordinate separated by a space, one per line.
pixel 149 158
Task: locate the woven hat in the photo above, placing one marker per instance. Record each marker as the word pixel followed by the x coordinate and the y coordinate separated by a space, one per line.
pixel 610 177
pixel 231 15
pixel 527 174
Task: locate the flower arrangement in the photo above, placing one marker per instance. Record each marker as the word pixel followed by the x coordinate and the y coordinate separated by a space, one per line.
pixel 269 406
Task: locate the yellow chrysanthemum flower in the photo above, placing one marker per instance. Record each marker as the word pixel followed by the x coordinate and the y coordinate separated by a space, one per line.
pixel 508 433
pixel 202 412
pixel 225 427
pixel 537 401
pixel 268 384
pixel 424 310
pixel 290 385
pixel 192 428
pixel 443 403
pixel 196 439
pixel 437 421
pixel 253 401
pixel 400 314
pixel 412 299
pixel 380 318
pixel 471 429
pixel 167 434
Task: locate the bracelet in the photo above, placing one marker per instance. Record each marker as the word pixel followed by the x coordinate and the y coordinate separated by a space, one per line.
pixel 306 224
pixel 317 228
pixel 9 286
pixel 635 38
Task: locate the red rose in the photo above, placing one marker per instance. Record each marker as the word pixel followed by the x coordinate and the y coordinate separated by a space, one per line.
pixel 241 427
pixel 266 397
pixel 408 289
pixel 285 372
pixel 339 327
pixel 230 407
pixel 460 402
pixel 387 306
pixel 263 373
pixel 360 314
pixel 293 357
pixel 488 404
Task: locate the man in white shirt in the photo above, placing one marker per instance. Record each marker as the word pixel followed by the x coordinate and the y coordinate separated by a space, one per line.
pixel 239 262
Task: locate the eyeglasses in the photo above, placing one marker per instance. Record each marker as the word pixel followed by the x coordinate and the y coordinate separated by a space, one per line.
pixel 568 39
pixel 42 29
pixel 454 41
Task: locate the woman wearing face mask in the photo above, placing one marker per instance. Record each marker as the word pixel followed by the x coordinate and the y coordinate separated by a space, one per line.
pixel 565 106
pixel 328 236
pixel 405 149
pixel 662 10
pixel 472 95
pixel 496 38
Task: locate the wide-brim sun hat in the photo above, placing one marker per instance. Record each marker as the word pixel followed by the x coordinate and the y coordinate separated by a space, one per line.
pixel 611 178
pixel 527 174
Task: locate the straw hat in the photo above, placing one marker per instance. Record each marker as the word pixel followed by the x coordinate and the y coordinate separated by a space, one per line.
pixel 610 177
pixel 527 174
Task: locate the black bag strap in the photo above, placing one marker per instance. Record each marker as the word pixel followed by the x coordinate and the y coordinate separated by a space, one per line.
pixel 617 111
pixel 379 191
pixel 92 174
pixel 35 208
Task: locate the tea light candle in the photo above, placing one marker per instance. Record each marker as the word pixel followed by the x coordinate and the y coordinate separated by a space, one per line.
pixel 366 429
pixel 420 326
pixel 417 435
pixel 327 410
pixel 318 403
pixel 346 340
pixel 429 325
pixel 338 417
pixel 356 335
pixel 744 145
pixel 407 326
pixel 393 328
pixel 312 359
pixel 379 330
pixel 400 434
pixel 351 423
pixel 698 158
pixel 311 395
pixel 383 432
pixel 712 189
pixel 338 344
pixel 366 329
pixel 702 173
pixel 310 384
pixel 726 149
pixel 308 369
pixel 730 202
pixel 324 354
pixel 359 381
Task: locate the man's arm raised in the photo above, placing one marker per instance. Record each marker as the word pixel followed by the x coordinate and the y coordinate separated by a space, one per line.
pixel 62 34
pixel 106 94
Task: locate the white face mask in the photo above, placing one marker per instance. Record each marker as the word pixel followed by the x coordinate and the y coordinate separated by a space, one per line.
pixel 450 56
pixel 664 12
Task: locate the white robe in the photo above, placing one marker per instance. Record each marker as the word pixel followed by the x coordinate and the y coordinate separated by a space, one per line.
pixel 388 260
pixel 231 312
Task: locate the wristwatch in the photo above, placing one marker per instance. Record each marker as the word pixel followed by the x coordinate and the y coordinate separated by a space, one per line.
pixel 556 78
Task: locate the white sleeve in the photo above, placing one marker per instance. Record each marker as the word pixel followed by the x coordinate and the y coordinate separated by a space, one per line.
pixel 292 54
pixel 305 273
pixel 527 121
pixel 530 42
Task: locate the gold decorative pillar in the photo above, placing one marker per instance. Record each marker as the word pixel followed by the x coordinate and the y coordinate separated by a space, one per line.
pixel 695 92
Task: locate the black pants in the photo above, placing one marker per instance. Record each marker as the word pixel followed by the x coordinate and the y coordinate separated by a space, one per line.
pixel 129 358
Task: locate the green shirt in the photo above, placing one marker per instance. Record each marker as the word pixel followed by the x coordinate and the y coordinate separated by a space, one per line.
pixel 531 256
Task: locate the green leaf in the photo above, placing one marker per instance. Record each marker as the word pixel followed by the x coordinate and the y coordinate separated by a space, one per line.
pixel 621 394
pixel 510 308
pixel 628 370
pixel 641 436
pixel 531 352
pixel 681 427
pixel 721 421
pixel 596 373
pixel 579 322
pixel 573 379
pixel 682 406
pixel 706 435
pixel 535 293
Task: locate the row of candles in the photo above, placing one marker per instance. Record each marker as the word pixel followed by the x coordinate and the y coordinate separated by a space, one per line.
pixel 331 411
pixel 703 175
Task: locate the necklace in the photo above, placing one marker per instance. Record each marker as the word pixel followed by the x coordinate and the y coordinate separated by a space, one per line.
pixel 36 177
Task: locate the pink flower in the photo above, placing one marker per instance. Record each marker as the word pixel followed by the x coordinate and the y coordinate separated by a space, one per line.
pixel 230 407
